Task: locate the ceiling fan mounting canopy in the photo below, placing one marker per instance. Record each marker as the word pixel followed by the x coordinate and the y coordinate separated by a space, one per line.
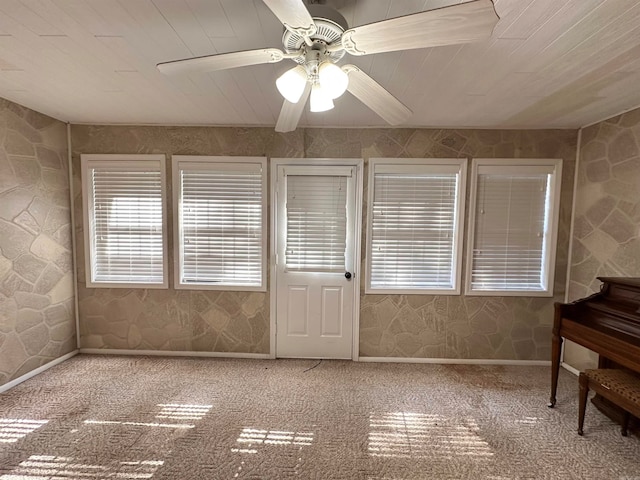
pixel 317 36
pixel 330 26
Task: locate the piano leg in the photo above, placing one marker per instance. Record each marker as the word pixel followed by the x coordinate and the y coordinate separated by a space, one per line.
pixel 582 400
pixel 625 423
pixel 556 349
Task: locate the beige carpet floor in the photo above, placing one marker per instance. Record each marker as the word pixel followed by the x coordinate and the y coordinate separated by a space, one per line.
pixel 100 417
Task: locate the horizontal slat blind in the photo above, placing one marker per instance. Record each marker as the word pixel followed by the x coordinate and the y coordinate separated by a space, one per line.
pixel 126 225
pixel 511 225
pixel 412 232
pixel 221 230
pixel 316 223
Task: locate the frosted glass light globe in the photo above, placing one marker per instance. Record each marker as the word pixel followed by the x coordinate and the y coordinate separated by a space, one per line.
pixel 320 100
pixel 291 83
pixel 332 79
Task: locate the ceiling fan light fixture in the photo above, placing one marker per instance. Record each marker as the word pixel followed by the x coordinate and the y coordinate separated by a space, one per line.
pixel 291 83
pixel 317 37
pixel 320 100
pixel 333 79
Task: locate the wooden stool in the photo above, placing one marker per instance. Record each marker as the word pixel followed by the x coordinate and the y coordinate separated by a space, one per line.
pixel 617 386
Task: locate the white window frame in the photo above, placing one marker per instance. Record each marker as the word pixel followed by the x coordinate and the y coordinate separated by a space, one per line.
pixel 516 165
pixel 422 165
pixel 211 161
pixel 132 161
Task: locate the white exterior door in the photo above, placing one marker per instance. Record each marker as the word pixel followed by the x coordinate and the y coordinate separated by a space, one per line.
pixel 316 220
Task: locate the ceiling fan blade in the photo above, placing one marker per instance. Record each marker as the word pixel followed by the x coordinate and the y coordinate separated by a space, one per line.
pixel 462 23
pixel 374 96
pixel 294 16
pixel 291 112
pixel 223 61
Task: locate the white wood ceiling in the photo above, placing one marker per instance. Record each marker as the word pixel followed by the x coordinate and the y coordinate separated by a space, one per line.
pixel 549 63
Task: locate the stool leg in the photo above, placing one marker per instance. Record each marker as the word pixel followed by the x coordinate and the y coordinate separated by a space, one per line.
pixel 582 400
pixel 625 423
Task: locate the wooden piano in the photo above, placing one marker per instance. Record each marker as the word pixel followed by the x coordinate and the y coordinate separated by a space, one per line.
pixel 607 322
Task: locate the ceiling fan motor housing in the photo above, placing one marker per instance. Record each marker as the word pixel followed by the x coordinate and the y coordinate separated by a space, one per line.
pixel 330 26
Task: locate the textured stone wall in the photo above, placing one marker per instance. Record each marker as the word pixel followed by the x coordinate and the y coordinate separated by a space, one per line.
pixel 37 323
pixel 391 325
pixel 606 239
pixel 457 326
pixel 173 320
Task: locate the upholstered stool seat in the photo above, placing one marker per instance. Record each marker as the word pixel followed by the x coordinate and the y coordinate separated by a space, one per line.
pixel 618 386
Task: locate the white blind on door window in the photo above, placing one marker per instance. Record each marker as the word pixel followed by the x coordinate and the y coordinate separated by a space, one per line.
pixel 221 229
pixel 412 232
pixel 126 225
pixel 511 229
pixel 316 223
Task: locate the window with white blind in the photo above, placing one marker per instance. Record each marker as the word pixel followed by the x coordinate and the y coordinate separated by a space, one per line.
pixel 514 225
pixel 415 221
pixel 125 225
pixel 220 237
pixel 316 237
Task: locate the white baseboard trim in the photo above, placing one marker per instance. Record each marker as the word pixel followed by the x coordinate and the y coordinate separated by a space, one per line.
pixel 456 361
pixel 33 373
pixel 164 353
pixel 569 368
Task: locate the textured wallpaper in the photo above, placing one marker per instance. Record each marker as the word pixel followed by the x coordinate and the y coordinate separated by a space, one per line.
pixel 37 323
pixel 173 320
pixel 391 325
pixel 452 326
pixel 606 238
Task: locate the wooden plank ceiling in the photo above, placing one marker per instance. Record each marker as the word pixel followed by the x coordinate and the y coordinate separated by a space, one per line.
pixel 549 63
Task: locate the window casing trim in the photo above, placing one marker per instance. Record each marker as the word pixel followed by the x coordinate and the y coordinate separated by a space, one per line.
pixel 420 166
pixel 210 162
pixel 133 162
pixel 514 166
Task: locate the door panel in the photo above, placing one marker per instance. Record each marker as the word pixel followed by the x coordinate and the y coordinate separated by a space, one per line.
pixel 332 308
pixel 298 311
pixel 315 226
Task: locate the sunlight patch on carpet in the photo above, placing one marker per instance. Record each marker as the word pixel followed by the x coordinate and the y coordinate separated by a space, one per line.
pixel 44 467
pixel 138 424
pixel 419 435
pixel 14 429
pixel 176 411
pixel 249 437
pixel 528 420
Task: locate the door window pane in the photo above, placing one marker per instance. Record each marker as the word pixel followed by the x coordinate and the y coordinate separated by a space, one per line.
pixel 316 223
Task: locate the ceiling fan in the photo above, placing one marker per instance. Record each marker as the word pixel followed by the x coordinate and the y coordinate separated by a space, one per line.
pixel 317 37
